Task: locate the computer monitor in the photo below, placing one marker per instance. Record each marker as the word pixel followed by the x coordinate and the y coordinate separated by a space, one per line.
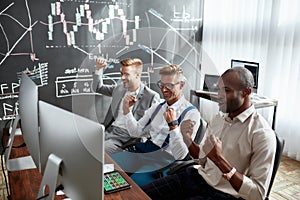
pixel 28 113
pixel 253 67
pixel 210 82
pixel 72 153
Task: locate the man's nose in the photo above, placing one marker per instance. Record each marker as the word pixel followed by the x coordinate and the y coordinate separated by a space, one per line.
pixel 220 95
pixel 163 88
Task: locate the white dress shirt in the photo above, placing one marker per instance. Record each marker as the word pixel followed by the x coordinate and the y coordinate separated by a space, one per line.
pixel 120 120
pixel 159 128
pixel 249 145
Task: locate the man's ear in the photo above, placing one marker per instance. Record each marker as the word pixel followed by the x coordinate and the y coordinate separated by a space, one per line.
pixel 138 75
pixel 182 83
pixel 247 91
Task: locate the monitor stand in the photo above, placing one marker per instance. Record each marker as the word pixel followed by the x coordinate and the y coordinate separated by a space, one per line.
pixel 16 164
pixel 50 178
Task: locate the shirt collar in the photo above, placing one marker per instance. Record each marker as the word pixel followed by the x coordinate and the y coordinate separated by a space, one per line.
pixel 242 116
pixel 134 93
pixel 177 104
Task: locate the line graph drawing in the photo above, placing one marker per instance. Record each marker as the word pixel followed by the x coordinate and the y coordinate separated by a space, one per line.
pixel 155 44
pixel 9 51
pixel 156 14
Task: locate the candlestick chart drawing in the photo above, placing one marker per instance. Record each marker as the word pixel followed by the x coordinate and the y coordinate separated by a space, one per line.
pixel 57 41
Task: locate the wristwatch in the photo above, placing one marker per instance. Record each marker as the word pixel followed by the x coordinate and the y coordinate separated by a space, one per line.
pixel 173 123
pixel 227 176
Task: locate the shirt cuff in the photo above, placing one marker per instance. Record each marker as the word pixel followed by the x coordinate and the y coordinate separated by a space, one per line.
pixel 129 116
pixel 246 187
pixel 99 72
pixel 175 133
pixel 202 154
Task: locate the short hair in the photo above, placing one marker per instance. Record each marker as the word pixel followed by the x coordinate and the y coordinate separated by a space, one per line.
pixel 246 77
pixel 136 62
pixel 171 70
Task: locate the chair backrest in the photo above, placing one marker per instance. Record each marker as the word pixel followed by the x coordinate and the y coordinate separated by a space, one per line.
pixel 279 148
pixel 201 131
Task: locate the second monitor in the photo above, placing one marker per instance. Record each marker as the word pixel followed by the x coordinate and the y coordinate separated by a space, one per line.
pixel 72 153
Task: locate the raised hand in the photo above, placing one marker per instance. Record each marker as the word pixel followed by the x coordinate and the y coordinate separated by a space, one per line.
pixel 100 63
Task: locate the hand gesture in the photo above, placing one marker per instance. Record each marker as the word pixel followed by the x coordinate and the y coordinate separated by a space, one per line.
pixel 100 63
pixel 213 147
pixel 128 101
pixel 170 115
pixel 186 129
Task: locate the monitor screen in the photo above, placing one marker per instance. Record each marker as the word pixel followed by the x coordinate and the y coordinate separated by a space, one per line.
pixel 28 111
pixel 210 82
pixel 253 67
pixel 79 143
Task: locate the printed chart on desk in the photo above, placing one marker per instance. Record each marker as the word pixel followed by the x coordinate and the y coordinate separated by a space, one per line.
pixel 56 43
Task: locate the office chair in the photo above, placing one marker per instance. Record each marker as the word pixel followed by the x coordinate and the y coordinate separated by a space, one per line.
pixel 129 145
pixel 179 165
pixel 279 149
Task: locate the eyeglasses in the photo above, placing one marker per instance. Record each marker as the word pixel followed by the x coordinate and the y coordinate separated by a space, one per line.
pixel 169 86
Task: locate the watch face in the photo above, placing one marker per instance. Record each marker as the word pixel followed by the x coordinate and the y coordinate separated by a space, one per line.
pixel 173 123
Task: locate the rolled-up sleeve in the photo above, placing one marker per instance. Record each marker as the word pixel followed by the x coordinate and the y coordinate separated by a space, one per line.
pixel 256 181
pixel 136 128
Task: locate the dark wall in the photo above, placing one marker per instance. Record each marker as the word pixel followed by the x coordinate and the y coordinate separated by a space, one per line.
pixel 33 38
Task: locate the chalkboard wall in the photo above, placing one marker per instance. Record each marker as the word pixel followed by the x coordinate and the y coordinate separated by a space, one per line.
pixel 56 43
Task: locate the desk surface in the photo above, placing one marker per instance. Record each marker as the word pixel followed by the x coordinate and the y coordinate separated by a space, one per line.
pixel 24 184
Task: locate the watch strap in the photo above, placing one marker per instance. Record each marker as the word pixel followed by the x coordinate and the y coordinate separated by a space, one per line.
pixel 227 176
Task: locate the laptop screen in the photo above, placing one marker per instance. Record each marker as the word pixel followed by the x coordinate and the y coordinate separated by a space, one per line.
pixel 210 82
pixel 253 67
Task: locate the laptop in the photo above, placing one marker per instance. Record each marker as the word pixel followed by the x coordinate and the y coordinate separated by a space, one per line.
pixel 210 82
pixel 253 67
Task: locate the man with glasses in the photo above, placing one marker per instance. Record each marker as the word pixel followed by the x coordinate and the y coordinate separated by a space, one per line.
pixel 162 121
pixel 130 83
